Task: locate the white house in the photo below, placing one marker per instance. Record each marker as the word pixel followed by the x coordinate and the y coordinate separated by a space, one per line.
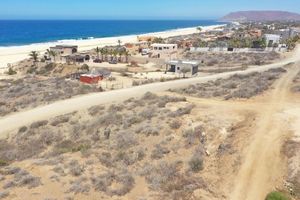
pixel 165 51
pixel 272 39
pixel 182 66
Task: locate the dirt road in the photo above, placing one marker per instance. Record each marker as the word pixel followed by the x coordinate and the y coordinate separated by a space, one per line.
pixel 262 165
pixel 19 119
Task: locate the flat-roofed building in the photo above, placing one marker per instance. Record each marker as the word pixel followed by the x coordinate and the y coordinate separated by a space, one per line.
pixel 165 51
pixel 182 66
pixel 272 39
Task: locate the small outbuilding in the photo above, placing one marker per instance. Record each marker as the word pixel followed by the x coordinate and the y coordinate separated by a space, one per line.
pixel 181 66
pixel 90 78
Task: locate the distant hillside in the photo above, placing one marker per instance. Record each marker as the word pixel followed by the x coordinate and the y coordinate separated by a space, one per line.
pixel 261 16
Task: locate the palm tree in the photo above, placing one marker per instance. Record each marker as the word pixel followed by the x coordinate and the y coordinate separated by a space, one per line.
pixel 121 52
pixel 126 53
pixel 111 53
pixel 52 54
pixel 98 51
pixel 119 42
pixel 102 51
pixel 114 53
pixel 34 56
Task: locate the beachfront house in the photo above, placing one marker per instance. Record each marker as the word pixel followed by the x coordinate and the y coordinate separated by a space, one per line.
pixel 136 47
pixel 164 51
pixel 62 51
pixel 272 39
pixel 182 67
pixel 146 38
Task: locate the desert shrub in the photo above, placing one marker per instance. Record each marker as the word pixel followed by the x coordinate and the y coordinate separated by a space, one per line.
pixel 66 146
pixel 4 194
pixel 148 113
pixel 212 62
pixel 131 120
pixel 59 170
pixel 110 119
pixel 116 108
pixel 75 169
pixel 196 161
pixel 148 130
pixel 50 66
pixel 95 110
pixel 79 186
pixel 162 101
pixel 175 124
pixel 166 177
pixel 277 196
pixel 159 152
pixel 3 163
pixel 126 157
pixel 149 96
pixel 106 159
pixel 125 140
pixel 23 179
pixel 105 181
pixel 22 129
pixel 182 111
pixel 194 136
pixel 60 120
pixel 38 124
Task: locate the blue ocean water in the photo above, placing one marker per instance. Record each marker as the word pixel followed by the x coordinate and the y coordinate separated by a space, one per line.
pixel 22 32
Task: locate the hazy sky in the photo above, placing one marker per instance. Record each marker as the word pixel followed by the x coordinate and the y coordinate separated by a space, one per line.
pixel 135 9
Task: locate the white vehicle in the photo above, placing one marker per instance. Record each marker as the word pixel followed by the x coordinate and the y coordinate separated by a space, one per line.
pixel 145 52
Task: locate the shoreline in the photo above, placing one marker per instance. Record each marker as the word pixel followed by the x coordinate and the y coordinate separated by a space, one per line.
pixel 13 54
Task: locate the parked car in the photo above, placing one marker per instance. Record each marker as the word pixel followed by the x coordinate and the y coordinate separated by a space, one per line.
pixel 113 62
pixel 145 52
pixel 97 61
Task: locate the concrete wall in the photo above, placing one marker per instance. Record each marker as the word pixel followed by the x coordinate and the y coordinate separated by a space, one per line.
pixel 238 50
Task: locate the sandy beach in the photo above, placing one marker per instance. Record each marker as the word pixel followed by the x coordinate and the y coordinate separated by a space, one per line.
pixel 17 53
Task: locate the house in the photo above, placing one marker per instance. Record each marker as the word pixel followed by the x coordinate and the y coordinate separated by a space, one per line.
pixel 136 47
pixel 76 58
pixel 255 33
pixel 272 39
pixel 90 78
pixel 164 51
pixel 61 51
pixel 295 32
pixel 146 38
pixel 181 66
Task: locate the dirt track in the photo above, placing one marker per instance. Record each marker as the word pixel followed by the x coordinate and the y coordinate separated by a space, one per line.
pixel 263 166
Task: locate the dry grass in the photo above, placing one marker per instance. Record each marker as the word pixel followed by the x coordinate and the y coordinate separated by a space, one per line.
pixel 29 92
pixel 114 138
pixel 237 86
pixel 232 59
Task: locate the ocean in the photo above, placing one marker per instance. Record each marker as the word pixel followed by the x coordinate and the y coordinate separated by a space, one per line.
pixel 24 32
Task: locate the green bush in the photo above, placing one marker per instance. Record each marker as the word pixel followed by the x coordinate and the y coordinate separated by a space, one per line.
pixel 3 163
pixel 11 71
pixel 196 164
pixel 85 67
pixel 277 196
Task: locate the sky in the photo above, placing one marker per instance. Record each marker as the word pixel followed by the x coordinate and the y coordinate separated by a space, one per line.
pixel 136 9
